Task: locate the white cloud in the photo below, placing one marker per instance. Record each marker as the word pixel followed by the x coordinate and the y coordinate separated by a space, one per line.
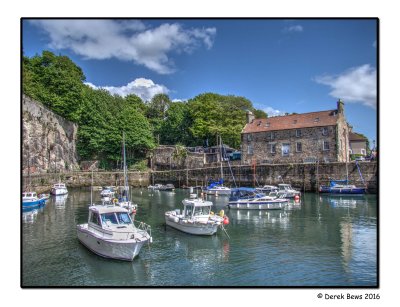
pixel 128 40
pixel 272 112
pixel 144 88
pixel 295 28
pixel 355 85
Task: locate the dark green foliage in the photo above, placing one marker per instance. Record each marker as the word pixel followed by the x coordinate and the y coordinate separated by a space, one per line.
pixel 55 81
pixel 214 114
pixel 102 118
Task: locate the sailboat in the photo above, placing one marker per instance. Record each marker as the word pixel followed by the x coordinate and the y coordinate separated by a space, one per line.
pixel 217 187
pixel 124 200
pixel 340 187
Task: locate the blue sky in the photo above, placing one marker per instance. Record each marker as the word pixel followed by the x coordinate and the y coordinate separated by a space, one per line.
pixel 281 65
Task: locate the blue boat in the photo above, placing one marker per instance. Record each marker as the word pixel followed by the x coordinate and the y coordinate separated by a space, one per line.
pixel 30 200
pixel 342 187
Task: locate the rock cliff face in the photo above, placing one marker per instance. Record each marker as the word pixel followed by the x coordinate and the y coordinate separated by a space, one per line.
pixel 48 140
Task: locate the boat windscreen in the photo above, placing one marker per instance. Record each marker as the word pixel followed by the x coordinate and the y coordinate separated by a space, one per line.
pixel 109 217
pixel 123 218
pixel 204 210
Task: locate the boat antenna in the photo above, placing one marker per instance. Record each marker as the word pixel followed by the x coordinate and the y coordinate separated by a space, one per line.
pixel 91 190
pixel 125 170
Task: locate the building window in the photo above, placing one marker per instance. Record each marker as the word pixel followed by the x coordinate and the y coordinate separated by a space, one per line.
pixel 249 138
pixel 250 150
pixel 298 133
pixel 299 147
pixel 363 151
pixel 325 131
pixel 325 145
pixel 267 125
pixel 273 148
pixel 285 150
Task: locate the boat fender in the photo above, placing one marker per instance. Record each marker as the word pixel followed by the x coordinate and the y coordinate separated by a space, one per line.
pixel 211 213
pixel 221 213
pixel 296 198
pixel 226 220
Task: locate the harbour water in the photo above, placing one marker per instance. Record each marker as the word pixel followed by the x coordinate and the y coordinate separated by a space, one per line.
pixel 325 241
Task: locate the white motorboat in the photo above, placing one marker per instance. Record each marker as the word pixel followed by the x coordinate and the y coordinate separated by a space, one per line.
pixel 157 186
pixel 196 217
pixel 59 189
pixel 267 189
pixel 286 191
pixel 111 233
pixel 259 203
pixel 218 190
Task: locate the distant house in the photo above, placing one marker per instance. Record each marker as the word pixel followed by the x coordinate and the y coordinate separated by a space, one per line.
pixel 307 137
pixel 358 144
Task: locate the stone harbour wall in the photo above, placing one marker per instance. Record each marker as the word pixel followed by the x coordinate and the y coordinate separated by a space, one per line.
pixel 48 140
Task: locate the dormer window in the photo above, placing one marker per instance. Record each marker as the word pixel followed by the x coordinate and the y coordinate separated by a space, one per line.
pixel 267 125
pixel 316 120
pixel 259 123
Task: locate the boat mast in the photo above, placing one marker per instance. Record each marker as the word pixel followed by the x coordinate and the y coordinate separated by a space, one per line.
pixel 125 172
pixel 91 189
pixel 220 144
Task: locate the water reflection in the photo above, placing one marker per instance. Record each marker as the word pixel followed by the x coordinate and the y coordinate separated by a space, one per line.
pixel 344 201
pixel 312 243
pixel 60 201
pixel 279 218
pixel 30 216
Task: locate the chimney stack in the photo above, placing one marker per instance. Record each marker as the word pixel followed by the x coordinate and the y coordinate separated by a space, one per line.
pixel 249 116
pixel 340 107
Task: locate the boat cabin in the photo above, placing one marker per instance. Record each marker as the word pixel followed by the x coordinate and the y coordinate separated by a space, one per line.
pixel 284 187
pixel 59 186
pixel 196 209
pixel 242 193
pixel 109 217
pixel 29 195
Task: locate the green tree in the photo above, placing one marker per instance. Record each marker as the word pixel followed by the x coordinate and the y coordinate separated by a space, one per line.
pixel 56 82
pixel 176 125
pixel 215 114
pixel 259 114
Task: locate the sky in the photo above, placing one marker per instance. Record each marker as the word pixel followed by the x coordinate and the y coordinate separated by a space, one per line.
pixel 280 65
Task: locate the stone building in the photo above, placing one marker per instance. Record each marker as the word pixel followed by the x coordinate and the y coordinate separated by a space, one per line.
pixel 297 138
pixel 358 144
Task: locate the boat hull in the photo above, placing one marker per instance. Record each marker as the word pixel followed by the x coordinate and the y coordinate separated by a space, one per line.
pixel 192 228
pixel 59 191
pixel 125 250
pixel 267 205
pixel 342 191
pixel 219 192
pixel 33 204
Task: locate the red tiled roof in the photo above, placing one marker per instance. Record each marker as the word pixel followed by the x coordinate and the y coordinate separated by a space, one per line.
pixel 354 137
pixel 293 121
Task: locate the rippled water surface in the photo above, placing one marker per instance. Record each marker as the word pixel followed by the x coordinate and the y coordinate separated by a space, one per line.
pixel 325 241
